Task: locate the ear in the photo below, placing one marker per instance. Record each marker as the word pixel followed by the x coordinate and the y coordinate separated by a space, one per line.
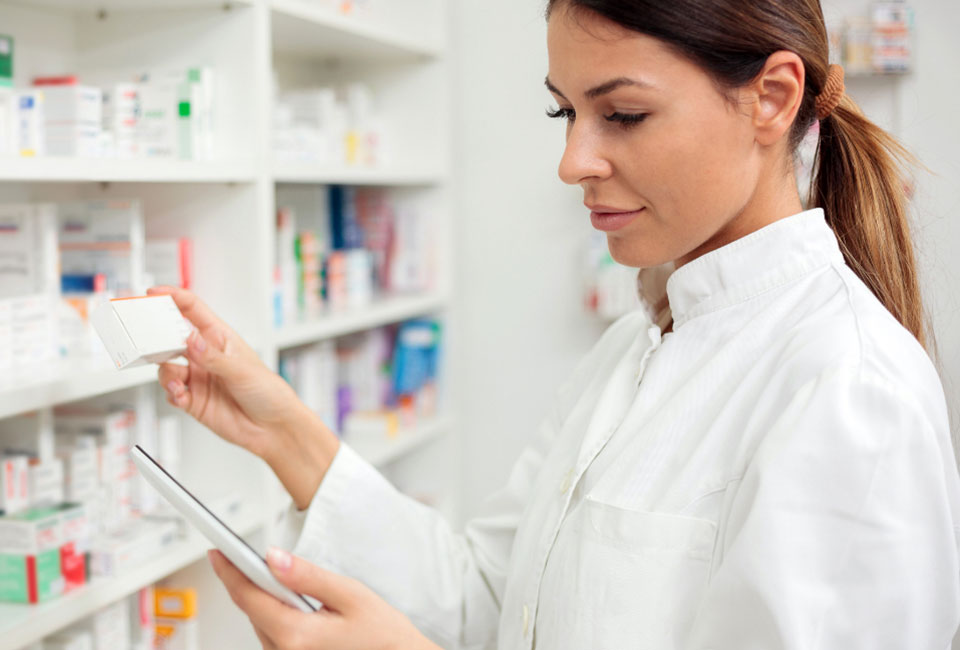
pixel 778 91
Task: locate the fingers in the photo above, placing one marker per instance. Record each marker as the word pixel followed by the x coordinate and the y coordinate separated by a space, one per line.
pixel 334 591
pixel 175 378
pixel 269 616
pixel 192 308
pixel 210 356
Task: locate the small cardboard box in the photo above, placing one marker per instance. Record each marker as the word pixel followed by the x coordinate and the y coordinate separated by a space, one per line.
pixel 138 331
pixel 14 484
pixel 30 556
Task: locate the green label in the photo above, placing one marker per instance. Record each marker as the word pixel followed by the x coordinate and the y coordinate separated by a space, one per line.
pixel 49 577
pixel 13 578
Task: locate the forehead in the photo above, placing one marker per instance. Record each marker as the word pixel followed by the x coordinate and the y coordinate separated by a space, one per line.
pixel 584 47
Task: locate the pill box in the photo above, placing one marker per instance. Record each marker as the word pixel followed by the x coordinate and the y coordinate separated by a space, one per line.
pixel 141 330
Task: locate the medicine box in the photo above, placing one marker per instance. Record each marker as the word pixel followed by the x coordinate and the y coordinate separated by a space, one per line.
pixel 14 484
pixel 46 482
pixel 6 61
pixel 30 556
pixel 108 433
pixel 129 547
pixel 138 331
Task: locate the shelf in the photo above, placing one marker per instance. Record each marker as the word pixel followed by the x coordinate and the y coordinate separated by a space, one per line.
pixel 21 625
pixel 385 451
pixel 384 312
pixel 29 388
pixel 306 30
pixel 66 170
pixel 87 6
pixel 312 173
pixel 866 74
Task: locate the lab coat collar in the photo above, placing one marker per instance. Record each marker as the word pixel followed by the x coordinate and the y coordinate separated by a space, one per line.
pixel 769 257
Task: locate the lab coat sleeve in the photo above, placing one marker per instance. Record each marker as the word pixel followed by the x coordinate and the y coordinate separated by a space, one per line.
pixel 843 531
pixel 449 584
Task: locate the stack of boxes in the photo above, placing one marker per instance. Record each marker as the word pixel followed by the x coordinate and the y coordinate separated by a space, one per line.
pixel 70 506
pixel 159 114
pixel 370 385
pixel 29 283
pixel 72 117
pixel 43 553
pixel 346 249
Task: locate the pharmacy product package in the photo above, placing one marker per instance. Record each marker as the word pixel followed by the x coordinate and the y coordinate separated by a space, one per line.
pixel 141 330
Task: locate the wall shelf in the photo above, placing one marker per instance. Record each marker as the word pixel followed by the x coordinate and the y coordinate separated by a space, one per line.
pixel 29 388
pixel 380 453
pixel 317 174
pixel 304 29
pixel 66 170
pixel 384 312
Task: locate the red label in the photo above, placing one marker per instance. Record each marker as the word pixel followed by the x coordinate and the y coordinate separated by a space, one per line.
pixel 32 590
pixel 72 566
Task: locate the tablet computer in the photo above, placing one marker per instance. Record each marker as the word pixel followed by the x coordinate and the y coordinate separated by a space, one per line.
pixel 228 542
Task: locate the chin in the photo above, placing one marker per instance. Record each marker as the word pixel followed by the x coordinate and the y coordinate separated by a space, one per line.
pixel 634 256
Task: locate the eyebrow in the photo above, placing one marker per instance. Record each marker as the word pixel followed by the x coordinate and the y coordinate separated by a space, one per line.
pixel 603 89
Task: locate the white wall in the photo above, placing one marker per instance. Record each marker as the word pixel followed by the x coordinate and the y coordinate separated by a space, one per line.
pixel 521 327
pixel 520 231
pixel 929 108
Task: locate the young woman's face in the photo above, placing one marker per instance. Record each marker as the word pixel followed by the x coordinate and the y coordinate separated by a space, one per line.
pixel 665 159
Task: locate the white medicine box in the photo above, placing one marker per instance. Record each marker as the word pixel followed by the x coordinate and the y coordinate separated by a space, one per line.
pixel 138 331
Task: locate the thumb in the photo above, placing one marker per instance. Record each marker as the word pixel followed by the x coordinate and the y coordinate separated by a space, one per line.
pixel 334 591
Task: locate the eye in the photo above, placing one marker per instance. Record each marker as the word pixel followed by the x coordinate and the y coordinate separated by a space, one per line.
pixel 626 119
pixel 567 114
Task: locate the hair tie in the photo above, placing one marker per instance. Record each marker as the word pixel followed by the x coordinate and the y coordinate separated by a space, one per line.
pixel 829 98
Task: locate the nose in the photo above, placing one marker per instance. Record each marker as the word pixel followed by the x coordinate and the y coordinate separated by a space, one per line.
pixel 582 158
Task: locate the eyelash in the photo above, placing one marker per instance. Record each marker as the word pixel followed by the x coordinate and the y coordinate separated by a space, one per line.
pixel 625 120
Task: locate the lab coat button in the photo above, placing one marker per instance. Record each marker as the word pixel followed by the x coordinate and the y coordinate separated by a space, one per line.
pixel 526 620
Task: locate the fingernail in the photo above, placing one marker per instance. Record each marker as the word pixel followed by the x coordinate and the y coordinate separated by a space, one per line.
pixel 279 559
pixel 174 388
pixel 198 343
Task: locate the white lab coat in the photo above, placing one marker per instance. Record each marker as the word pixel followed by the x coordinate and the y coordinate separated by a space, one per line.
pixel 776 473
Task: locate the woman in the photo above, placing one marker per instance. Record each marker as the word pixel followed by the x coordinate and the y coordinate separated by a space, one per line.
pixel 759 460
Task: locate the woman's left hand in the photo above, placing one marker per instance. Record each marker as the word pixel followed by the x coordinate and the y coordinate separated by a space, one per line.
pixel 352 616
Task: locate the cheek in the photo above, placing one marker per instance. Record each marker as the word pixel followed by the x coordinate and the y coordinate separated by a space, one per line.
pixel 694 175
pixel 709 169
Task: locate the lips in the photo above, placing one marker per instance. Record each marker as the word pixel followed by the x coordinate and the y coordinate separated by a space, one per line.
pixel 611 219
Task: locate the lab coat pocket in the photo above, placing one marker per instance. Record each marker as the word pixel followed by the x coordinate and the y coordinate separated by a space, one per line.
pixel 647 572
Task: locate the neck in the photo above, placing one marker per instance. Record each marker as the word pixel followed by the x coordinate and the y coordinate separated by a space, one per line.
pixel 775 197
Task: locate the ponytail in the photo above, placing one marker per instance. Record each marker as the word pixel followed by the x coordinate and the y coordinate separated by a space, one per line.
pixel 859 183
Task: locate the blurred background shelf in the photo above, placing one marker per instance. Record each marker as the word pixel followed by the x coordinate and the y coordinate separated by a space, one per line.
pixel 65 170
pixel 389 176
pixel 384 312
pixel 29 388
pixel 304 29
pixel 24 624
pixel 96 6
pixel 387 450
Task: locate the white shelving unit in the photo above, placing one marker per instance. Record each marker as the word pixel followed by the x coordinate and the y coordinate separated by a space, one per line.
pixel 227 207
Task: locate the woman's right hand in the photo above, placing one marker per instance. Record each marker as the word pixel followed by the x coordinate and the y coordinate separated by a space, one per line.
pixel 228 389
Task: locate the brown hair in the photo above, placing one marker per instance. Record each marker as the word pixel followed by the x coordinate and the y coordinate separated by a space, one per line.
pixel 859 179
